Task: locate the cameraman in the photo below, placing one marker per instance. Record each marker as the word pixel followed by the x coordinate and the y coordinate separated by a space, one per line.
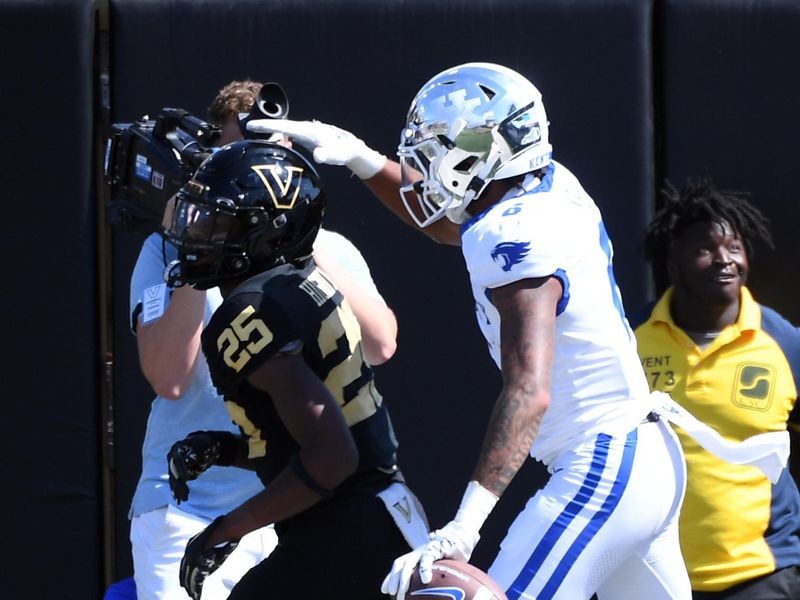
pixel 168 323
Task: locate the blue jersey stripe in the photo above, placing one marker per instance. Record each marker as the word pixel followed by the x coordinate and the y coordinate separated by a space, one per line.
pixel 561 275
pixel 548 541
pixel 596 522
pixel 616 296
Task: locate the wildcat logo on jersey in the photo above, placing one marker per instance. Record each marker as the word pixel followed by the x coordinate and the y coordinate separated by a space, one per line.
pixel 509 254
pixel 284 179
pixel 754 385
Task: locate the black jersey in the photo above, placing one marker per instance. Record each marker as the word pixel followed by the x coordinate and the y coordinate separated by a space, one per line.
pixel 286 310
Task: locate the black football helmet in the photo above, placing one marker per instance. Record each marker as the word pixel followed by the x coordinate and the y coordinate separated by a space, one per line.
pixel 250 206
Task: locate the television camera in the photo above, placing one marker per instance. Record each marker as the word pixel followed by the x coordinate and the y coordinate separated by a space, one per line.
pixel 149 160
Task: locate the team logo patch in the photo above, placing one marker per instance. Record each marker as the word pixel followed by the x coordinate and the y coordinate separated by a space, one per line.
pixel 282 183
pixel 754 385
pixel 404 509
pixel 509 254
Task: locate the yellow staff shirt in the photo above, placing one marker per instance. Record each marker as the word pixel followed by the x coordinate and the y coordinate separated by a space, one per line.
pixel 735 525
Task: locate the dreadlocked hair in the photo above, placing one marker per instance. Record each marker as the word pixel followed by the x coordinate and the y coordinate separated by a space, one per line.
pixel 700 201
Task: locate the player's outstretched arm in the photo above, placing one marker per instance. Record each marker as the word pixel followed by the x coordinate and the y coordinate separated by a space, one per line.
pixel 385 185
pixel 332 145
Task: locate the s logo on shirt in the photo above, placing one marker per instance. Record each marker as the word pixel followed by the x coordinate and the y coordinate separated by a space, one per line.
pixel 754 384
pixel 509 254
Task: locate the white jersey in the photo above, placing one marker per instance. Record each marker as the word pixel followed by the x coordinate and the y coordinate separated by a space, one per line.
pixel 553 228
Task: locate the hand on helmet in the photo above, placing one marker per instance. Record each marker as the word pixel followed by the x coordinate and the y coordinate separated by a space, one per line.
pixel 195 454
pixel 329 144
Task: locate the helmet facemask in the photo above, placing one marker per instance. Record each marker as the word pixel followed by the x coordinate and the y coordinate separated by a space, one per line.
pixel 423 195
pixel 441 177
pixel 211 237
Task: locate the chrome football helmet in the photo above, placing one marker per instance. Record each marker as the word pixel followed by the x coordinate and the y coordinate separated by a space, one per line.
pixel 468 126
pixel 250 206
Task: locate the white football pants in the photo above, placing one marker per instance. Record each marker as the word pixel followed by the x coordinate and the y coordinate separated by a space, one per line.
pixel 159 537
pixel 606 522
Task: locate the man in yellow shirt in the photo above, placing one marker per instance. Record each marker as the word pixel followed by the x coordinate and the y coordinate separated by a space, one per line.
pixel 735 365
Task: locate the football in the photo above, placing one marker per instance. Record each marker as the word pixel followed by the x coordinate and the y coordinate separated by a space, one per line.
pixel 457 580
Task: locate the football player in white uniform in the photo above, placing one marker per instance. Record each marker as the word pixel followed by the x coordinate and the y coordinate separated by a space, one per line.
pixel 475 150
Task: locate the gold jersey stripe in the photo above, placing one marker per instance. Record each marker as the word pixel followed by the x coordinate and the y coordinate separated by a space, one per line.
pixel 256 447
pixel 363 406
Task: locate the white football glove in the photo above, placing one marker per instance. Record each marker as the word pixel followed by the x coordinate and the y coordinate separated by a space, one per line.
pixel 455 540
pixel 396 582
pixel 329 144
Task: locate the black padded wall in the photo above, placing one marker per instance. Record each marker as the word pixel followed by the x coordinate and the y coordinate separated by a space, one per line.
pixel 722 79
pixel 50 468
pixel 728 104
pixel 358 64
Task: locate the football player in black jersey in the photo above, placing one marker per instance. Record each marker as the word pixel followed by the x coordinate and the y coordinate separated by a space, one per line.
pixel 284 350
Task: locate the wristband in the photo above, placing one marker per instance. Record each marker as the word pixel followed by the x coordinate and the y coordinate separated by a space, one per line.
pixel 296 465
pixel 367 164
pixel 476 505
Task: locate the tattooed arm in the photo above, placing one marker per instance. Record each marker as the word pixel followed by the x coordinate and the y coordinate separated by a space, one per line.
pixel 528 310
pixel 527 338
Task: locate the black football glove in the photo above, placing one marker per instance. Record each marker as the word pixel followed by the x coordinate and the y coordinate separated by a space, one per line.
pixel 194 455
pixel 199 562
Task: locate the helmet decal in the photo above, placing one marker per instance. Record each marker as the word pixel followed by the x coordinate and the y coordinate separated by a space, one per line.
pixel 251 206
pixel 458 102
pixel 285 198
